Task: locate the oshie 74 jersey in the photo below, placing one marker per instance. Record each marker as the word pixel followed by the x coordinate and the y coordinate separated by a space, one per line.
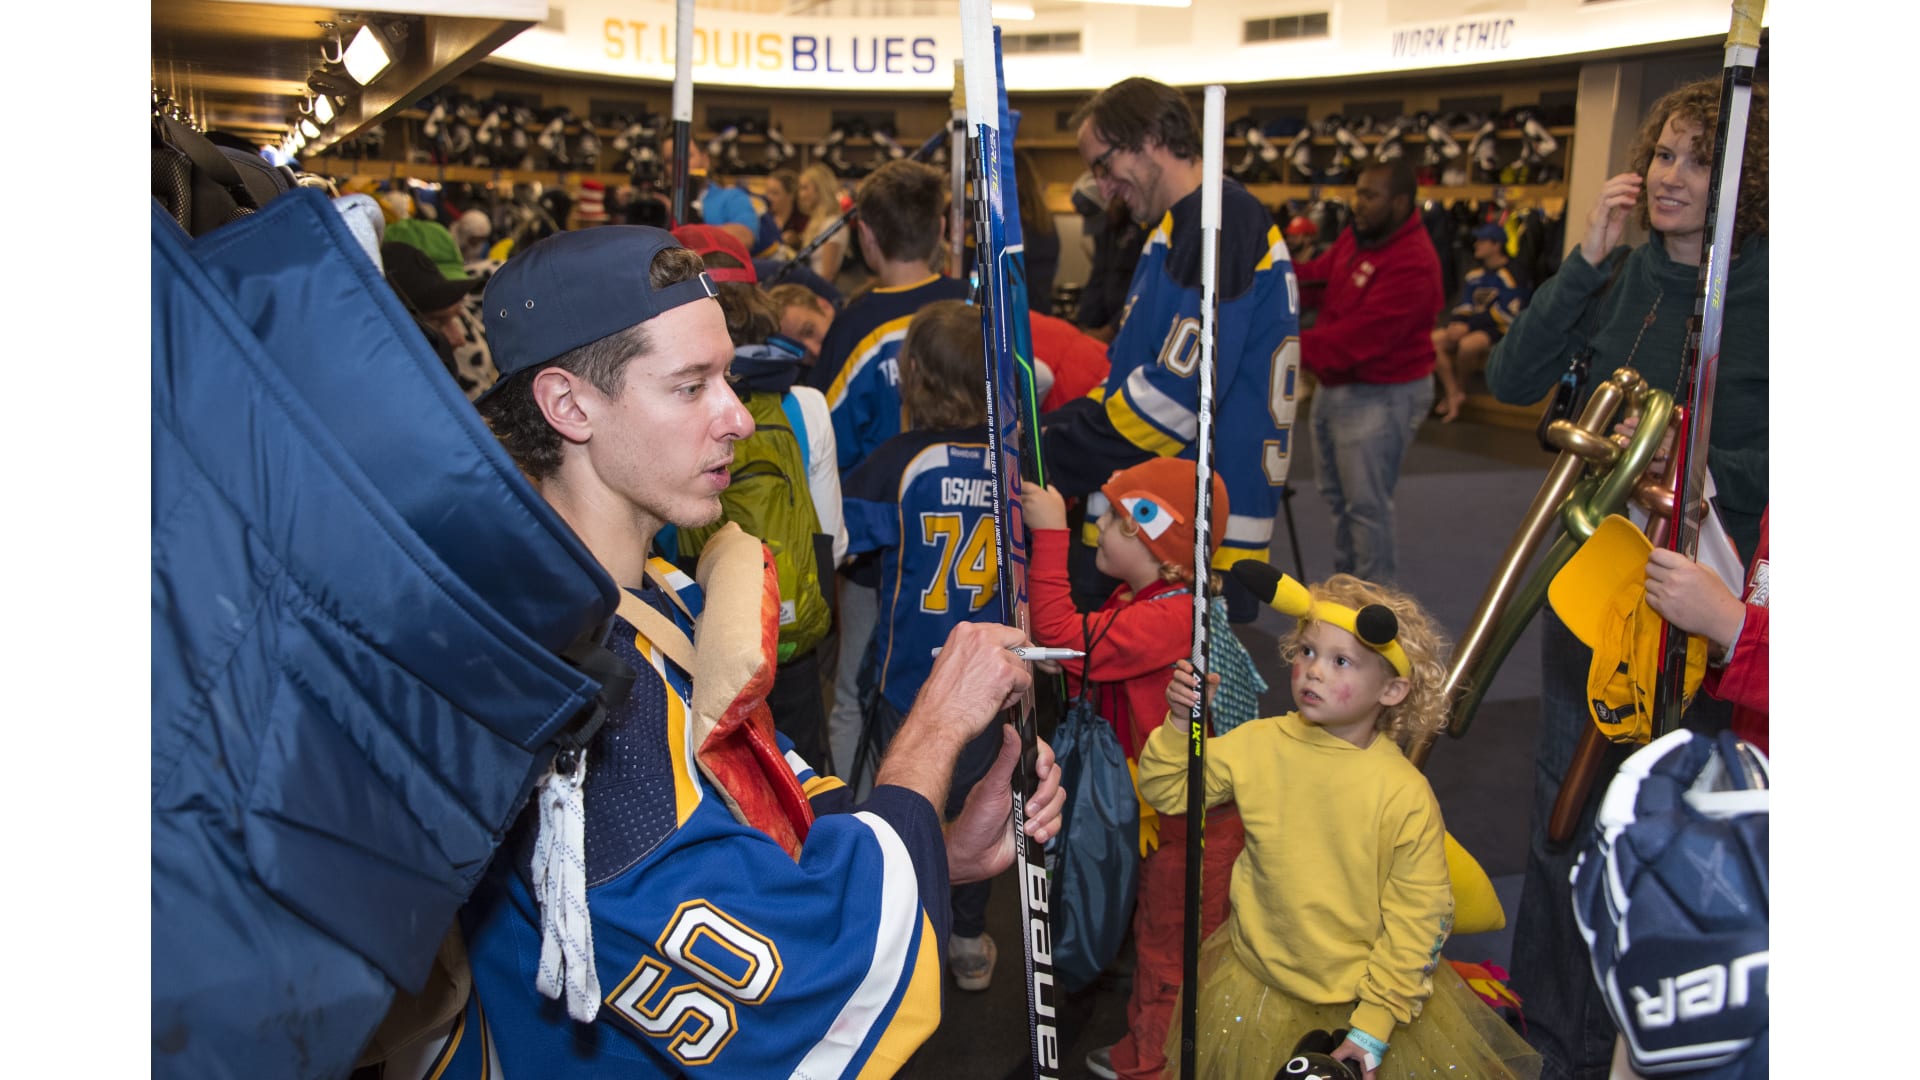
pixel 924 500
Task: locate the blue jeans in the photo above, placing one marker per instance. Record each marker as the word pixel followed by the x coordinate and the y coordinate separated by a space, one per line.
pixel 1552 969
pixel 859 610
pixel 1361 432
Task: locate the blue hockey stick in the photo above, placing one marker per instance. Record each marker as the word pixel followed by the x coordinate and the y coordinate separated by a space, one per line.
pixel 1008 381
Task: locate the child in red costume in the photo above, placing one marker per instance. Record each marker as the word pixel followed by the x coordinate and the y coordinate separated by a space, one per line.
pixel 1146 540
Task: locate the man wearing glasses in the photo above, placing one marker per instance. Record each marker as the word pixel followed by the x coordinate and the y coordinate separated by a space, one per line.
pixel 1141 142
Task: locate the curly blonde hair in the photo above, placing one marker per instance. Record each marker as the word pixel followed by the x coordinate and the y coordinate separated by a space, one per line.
pixel 1423 712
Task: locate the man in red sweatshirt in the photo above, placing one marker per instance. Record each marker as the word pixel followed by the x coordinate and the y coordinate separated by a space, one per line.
pixel 1371 349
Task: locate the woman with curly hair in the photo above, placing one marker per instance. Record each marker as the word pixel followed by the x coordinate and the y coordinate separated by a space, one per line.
pixel 1630 306
pixel 1341 901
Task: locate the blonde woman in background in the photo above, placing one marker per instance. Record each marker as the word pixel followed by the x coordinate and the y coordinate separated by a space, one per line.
pixel 819 199
pixel 783 194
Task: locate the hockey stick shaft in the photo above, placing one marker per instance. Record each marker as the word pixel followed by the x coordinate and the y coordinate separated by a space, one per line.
pixel 1010 263
pixel 682 108
pixel 1004 445
pixel 1213 141
pixel 1688 465
pixel 957 174
pixel 1012 268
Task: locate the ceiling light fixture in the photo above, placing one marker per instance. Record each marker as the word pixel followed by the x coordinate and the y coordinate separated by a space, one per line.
pixel 1013 10
pixel 1144 3
pixel 307 129
pixel 323 109
pixel 373 50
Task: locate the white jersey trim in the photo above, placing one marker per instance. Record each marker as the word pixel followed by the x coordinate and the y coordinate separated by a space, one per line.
pixel 1171 416
pixel 893 957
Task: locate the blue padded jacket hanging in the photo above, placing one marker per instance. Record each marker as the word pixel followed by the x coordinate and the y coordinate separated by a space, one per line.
pixel 357 603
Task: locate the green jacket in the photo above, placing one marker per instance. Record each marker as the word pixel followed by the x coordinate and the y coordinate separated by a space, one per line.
pixel 1568 311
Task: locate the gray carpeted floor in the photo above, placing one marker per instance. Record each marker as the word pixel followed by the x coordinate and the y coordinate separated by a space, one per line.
pixel 1461 495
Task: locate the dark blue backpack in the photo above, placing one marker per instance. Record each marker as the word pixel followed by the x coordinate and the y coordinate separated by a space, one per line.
pixel 1095 859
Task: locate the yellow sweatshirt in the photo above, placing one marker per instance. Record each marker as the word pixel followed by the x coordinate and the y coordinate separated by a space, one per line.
pixel 1342 892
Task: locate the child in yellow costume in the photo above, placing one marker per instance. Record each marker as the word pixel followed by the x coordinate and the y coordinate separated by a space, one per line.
pixel 1341 900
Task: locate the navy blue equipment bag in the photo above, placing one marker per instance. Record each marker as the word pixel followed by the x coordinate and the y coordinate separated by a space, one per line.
pixel 357 609
pixel 1095 859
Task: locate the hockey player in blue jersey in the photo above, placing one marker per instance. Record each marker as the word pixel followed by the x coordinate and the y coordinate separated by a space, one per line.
pixel 924 501
pixel 1490 299
pixel 1140 141
pixel 899 233
pixel 683 895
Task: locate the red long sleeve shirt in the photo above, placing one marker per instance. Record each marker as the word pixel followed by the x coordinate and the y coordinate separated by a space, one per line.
pixel 1079 362
pixel 1744 680
pixel 1382 303
pixel 1137 638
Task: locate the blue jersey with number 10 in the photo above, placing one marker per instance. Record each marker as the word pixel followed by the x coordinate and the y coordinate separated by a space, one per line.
pixel 1150 404
pixel 924 500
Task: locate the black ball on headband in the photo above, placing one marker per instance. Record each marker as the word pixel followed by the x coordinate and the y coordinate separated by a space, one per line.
pixel 1376 625
pixel 1260 578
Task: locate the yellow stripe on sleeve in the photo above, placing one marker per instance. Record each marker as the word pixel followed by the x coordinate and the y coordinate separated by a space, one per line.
pixel 820 785
pixel 862 354
pixel 1135 429
pixel 1224 557
pixel 919 1012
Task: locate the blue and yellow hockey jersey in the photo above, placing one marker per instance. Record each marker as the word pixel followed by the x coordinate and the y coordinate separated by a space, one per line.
pixel 718 954
pixel 924 500
pixel 1490 300
pixel 1149 405
pixel 859 365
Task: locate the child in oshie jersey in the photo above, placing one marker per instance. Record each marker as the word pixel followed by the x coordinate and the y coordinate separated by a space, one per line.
pixel 1132 641
pixel 924 500
pixel 1341 902
pixel 785 486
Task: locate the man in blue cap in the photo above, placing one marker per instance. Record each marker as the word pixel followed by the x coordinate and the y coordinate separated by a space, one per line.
pixel 689 892
pixel 1490 298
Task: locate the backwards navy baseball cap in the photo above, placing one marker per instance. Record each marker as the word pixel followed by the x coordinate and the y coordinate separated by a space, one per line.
pixel 574 288
pixel 1490 232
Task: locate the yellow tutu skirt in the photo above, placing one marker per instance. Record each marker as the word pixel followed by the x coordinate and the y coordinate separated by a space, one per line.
pixel 1248 1029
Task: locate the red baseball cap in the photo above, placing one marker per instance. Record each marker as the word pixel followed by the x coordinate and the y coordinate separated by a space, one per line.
pixel 707 239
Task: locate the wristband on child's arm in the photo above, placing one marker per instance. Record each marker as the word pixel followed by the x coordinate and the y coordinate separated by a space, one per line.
pixel 1371 1048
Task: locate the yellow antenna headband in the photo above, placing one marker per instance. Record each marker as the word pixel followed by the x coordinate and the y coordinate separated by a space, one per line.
pixel 1377 627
